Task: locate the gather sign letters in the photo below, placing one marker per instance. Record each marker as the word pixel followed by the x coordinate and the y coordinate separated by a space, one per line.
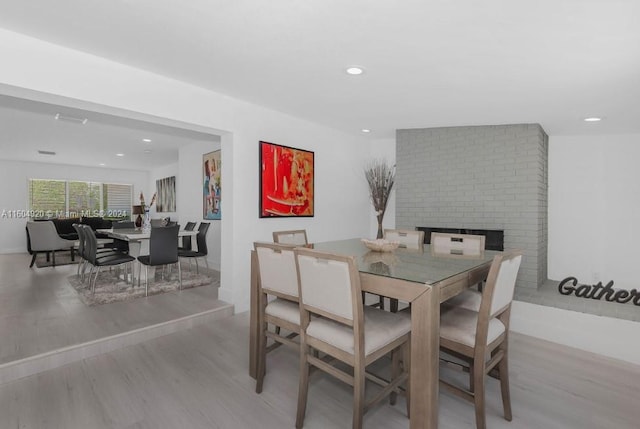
pixel 570 286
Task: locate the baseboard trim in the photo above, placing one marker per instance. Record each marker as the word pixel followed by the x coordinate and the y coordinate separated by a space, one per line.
pixel 11 371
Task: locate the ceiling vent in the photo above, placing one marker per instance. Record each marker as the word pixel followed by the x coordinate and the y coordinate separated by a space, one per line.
pixel 73 119
pixel 46 152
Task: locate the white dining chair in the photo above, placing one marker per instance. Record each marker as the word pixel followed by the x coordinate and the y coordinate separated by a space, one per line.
pixel 277 278
pixel 480 338
pixel 297 237
pixel 334 321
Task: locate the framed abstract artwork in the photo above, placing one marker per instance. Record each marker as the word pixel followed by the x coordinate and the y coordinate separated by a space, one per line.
pixel 212 186
pixel 166 189
pixel 286 181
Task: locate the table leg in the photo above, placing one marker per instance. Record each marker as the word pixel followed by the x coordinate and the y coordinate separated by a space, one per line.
pixel 253 318
pixel 425 343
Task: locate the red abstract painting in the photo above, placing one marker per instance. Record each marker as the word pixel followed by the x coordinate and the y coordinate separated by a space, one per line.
pixel 286 181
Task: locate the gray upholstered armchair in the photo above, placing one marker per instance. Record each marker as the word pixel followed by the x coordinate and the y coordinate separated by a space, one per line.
pixel 43 237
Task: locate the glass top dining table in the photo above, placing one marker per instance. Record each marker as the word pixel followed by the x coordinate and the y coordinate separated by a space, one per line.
pixel 422 278
pixel 420 266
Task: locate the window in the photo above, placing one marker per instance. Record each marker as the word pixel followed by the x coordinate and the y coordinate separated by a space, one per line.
pixel 60 198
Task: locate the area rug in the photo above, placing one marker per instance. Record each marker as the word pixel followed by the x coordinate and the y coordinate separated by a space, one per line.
pixel 62 258
pixel 110 288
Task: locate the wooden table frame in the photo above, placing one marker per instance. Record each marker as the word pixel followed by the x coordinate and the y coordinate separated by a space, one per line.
pixel 425 302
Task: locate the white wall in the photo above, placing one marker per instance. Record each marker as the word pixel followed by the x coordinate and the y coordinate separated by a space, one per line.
pixel 14 191
pixel 42 71
pixel 594 208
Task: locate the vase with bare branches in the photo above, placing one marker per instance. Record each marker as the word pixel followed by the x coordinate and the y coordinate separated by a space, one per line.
pixel 380 177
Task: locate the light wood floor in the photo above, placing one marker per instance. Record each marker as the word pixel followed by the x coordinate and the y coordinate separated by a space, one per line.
pixel 198 378
pixel 40 312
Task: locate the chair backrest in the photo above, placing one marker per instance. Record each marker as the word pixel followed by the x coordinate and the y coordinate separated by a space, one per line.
pixel 496 298
pixel 44 236
pixel 407 238
pixel 90 244
pixel 277 268
pixel 80 232
pixel 501 282
pixel 457 244
pixel 329 285
pixel 123 225
pixel 201 238
pixel 298 237
pixel 163 245
pixel 186 240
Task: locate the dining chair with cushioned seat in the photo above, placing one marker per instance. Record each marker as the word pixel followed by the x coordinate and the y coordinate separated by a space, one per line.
pixel 408 239
pixel 43 237
pixel 163 250
pixel 343 328
pixel 277 277
pixel 297 237
pixel 481 338
pixel 201 242
pixel 460 245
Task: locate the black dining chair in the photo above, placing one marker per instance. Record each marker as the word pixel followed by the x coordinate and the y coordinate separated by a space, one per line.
pixel 101 259
pixel 163 250
pixel 201 240
pixel 186 240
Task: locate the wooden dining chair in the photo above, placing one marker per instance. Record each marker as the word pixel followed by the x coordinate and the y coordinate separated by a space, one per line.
pixel 277 277
pixel 457 244
pixel 481 339
pixel 408 239
pixel 463 246
pixel 298 237
pixel 334 321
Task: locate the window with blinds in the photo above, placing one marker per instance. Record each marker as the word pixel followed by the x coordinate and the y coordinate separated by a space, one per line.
pixel 60 198
pixel 47 198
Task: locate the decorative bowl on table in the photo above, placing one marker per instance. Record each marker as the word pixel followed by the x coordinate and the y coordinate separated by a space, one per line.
pixel 381 245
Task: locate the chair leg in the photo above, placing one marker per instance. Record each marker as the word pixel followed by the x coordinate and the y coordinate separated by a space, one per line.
pixel 503 367
pixel 303 388
pixel 393 305
pixel 262 352
pixel 478 394
pixel 93 285
pixel 206 262
pixel 196 265
pixel 146 280
pixel 395 372
pixel 358 395
pixel 406 365
pixel 381 303
pixel 33 259
pixel 180 274
pixel 53 258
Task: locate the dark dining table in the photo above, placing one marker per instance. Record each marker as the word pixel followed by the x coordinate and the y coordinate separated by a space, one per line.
pixel 420 277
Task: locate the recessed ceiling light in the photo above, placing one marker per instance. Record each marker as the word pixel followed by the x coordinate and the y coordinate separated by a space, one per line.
pixel 73 119
pixel 147 151
pixel 102 164
pixel 146 140
pixel 365 130
pixel 592 119
pixel 355 70
pixel 119 154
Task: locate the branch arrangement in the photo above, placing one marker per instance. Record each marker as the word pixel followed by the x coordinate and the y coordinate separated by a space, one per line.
pixel 380 177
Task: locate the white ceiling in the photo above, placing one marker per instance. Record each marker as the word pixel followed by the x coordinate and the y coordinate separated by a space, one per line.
pixel 29 126
pixel 428 63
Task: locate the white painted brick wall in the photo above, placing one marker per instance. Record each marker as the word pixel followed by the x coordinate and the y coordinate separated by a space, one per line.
pixel 487 177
